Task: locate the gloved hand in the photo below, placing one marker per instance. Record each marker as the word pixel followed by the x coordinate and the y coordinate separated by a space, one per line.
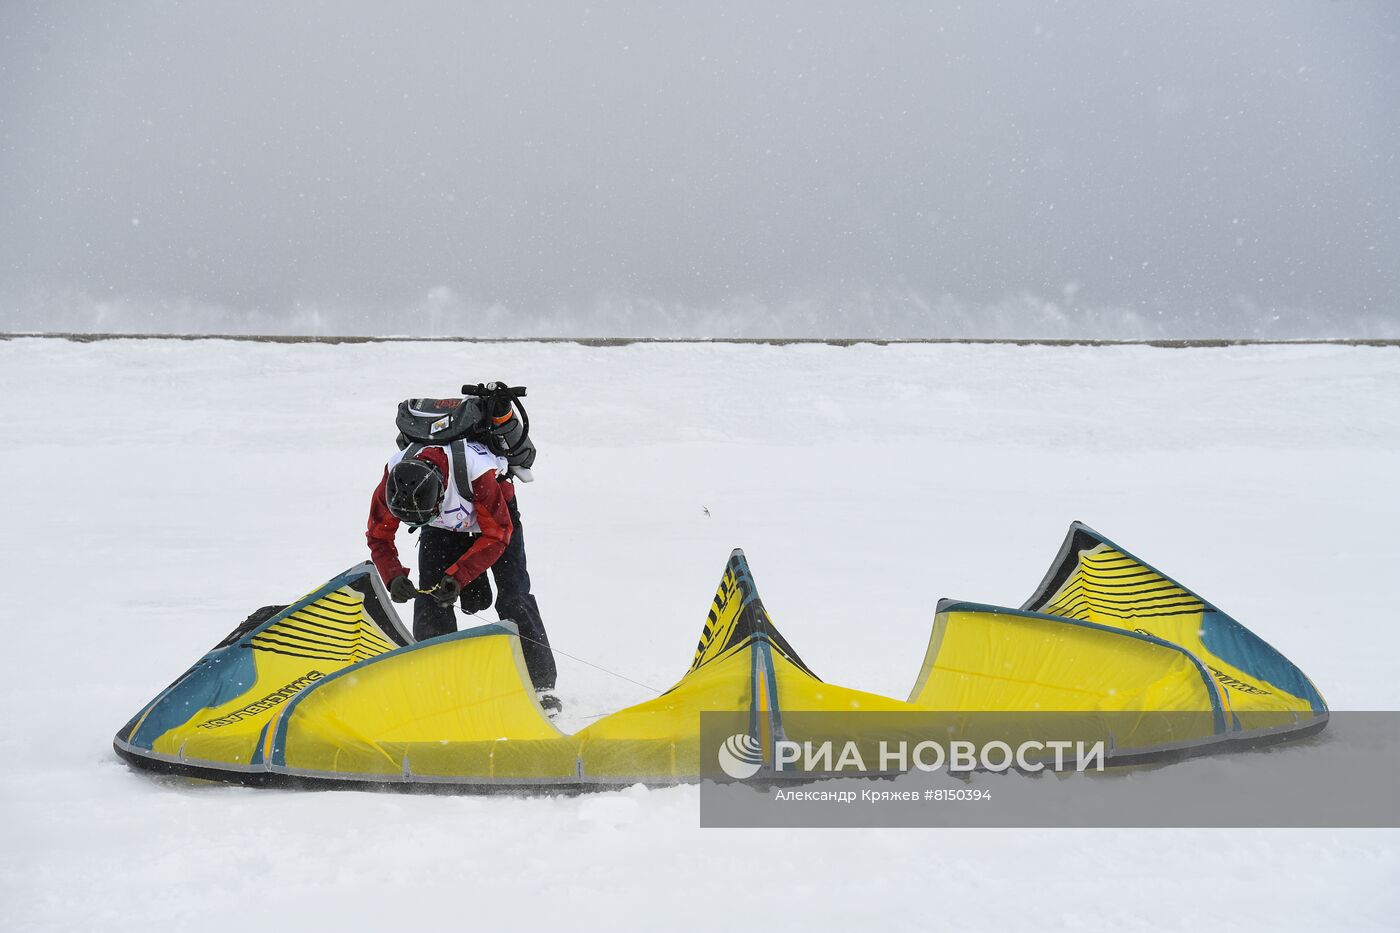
pixel 447 591
pixel 401 589
pixel 476 595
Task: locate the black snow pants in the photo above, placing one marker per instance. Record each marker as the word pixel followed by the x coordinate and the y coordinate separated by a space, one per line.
pixel 439 549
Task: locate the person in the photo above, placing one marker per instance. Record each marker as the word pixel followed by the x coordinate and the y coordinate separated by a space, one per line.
pixel 460 538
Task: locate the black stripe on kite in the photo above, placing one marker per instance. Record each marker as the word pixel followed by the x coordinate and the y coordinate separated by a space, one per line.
pixel 1110 562
pixel 344 625
pixel 1117 594
pixel 1098 575
pixel 335 596
pixel 1127 583
pixel 326 652
pixel 319 623
pixel 1184 609
pixel 329 608
pixel 297 654
pixel 286 628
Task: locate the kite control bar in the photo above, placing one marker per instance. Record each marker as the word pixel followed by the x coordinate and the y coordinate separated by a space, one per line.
pixel 494 390
pixel 508 435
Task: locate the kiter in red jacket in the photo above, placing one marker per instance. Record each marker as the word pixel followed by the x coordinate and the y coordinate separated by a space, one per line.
pixel 460 538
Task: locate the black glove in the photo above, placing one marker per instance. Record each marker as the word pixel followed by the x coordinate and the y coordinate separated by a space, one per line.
pixel 401 589
pixel 447 591
pixel 476 595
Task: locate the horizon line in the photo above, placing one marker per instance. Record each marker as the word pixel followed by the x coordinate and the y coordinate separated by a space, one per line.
pixel 1169 343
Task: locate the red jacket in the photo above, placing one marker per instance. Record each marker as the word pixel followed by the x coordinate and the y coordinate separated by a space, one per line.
pixel 490 497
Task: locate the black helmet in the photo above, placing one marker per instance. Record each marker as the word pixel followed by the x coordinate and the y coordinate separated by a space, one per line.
pixel 414 491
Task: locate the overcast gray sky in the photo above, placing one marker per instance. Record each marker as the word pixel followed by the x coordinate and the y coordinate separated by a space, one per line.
pixel 887 169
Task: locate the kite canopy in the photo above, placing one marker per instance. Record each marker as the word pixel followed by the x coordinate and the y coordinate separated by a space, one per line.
pixel 331 691
pixel 742 665
pixel 1095 581
pixel 216 714
pixel 1108 634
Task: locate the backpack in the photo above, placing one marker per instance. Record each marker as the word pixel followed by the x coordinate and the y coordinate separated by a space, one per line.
pixel 492 415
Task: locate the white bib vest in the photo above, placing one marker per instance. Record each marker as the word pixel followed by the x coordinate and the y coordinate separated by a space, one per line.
pixel 458 513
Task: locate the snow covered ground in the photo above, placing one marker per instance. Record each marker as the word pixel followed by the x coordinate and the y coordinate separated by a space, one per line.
pixel 157 491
